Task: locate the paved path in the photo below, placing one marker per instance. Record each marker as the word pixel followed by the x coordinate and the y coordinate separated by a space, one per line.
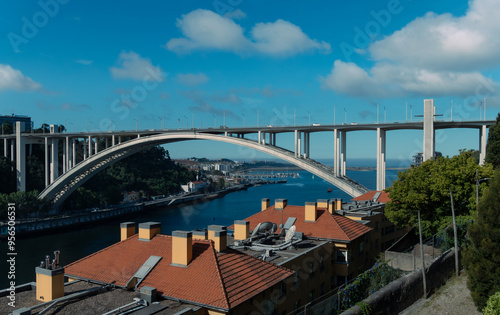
pixel 453 298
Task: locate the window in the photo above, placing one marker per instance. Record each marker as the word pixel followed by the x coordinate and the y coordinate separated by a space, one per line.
pixel 297 305
pixel 282 289
pixel 311 270
pixel 342 256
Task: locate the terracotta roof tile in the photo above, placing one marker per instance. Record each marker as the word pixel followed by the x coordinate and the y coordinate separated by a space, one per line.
pixel 384 196
pixel 221 280
pixel 335 227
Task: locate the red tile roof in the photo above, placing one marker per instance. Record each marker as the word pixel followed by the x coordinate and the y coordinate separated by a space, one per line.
pixel 335 227
pixel 220 280
pixel 384 196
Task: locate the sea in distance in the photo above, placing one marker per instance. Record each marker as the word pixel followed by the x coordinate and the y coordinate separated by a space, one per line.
pixel 82 241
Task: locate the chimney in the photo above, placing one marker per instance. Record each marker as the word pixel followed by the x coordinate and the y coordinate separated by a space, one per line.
pixel 182 248
pixel 218 234
pixel 148 230
pixel 280 204
pixel 127 229
pixel 241 230
pixel 338 204
pixel 331 206
pixel 265 204
pixel 200 235
pixel 49 279
pixel 322 204
pixel 310 211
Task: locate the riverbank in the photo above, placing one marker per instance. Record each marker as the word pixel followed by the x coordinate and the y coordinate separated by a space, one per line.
pixel 34 227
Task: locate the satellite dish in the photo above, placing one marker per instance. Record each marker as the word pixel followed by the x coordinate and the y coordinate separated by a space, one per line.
pixel 290 233
pixel 266 226
pixel 256 230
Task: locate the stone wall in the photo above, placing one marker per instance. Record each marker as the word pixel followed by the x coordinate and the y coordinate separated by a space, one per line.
pixel 403 292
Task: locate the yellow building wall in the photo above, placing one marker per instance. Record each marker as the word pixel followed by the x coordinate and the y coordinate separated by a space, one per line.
pixel 49 288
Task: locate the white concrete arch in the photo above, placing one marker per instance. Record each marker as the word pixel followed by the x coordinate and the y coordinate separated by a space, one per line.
pixel 65 184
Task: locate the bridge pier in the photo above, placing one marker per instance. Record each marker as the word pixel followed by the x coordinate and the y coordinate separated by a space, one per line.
pixel 96 143
pixel 12 150
pixel 64 161
pixel 73 153
pixel 336 150
pixel 113 140
pixel 20 157
pixel 343 152
pixel 84 148
pixel 482 144
pixel 54 160
pixel 90 146
pixel 429 135
pixel 5 148
pixel 381 145
pixel 47 167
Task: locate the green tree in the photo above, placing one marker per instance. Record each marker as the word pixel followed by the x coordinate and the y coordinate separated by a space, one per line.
pixel 482 255
pixel 493 305
pixel 427 188
pixel 493 145
pixel 7 175
pixel 27 204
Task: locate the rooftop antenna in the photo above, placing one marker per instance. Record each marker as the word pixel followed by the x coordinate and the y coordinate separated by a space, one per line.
pixel 290 233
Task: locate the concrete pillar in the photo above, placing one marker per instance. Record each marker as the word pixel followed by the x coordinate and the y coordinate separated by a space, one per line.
pixel 113 140
pixel 308 145
pixel 299 144
pixel 5 148
pixel 84 148
pixel 73 154
pixel 64 157
pixel 67 155
pixel 482 144
pixel 106 144
pixel 90 146
pixel 380 159
pixel 336 151
pixel 96 142
pixel 296 141
pixel 12 150
pixel 47 167
pixel 259 136
pixel 54 161
pixel 20 157
pixel 343 153
pixel 120 138
pixel 429 136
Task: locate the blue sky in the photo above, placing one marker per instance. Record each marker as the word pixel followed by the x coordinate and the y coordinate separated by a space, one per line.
pixel 95 64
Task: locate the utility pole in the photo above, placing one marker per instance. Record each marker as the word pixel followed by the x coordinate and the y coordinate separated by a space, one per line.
pixel 457 268
pixel 187 122
pixel 422 255
pixel 136 123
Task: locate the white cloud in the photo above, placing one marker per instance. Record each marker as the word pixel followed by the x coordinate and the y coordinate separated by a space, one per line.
pixel 206 30
pixel 192 79
pixel 13 79
pixel 432 56
pixel 235 15
pixel 387 80
pixel 133 66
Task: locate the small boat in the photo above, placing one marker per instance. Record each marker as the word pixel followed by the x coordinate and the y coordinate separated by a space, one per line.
pixel 329 189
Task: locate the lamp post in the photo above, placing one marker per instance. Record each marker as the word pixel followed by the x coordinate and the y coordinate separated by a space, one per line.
pixel 244 120
pixel 187 122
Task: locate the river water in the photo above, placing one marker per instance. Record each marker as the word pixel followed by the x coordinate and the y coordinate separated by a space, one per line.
pixel 81 242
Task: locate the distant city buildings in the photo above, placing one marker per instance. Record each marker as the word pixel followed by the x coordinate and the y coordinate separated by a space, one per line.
pixel 418 158
pixel 277 261
pixel 12 119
